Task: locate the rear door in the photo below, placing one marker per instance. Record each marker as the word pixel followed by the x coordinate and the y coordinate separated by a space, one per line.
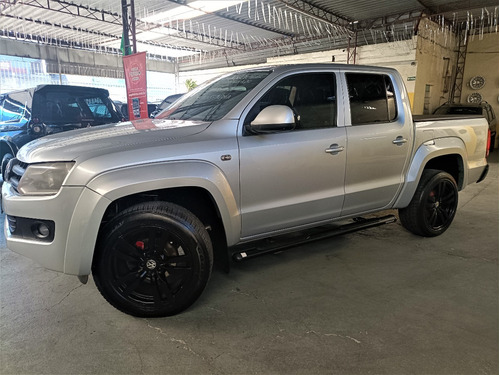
pixel 379 141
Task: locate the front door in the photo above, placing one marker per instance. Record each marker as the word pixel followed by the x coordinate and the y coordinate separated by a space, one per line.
pixel 294 178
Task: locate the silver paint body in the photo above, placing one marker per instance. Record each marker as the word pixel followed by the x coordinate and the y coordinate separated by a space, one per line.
pixel 272 183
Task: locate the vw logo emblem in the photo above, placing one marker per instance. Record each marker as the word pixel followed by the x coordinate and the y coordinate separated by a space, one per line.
pixel 151 264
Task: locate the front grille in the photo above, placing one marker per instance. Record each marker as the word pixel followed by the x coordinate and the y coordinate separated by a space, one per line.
pixel 14 171
pixel 12 221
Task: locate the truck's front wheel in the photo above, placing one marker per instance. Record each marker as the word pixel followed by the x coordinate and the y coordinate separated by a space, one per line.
pixel 433 206
pixel 153 259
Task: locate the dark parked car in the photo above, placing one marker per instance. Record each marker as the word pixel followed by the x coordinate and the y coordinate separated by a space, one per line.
pixel 165 104
pixel 122 108
pixel 482 108
pixel 47 109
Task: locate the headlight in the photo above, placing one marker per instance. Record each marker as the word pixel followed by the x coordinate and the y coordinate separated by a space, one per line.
pixel 44 178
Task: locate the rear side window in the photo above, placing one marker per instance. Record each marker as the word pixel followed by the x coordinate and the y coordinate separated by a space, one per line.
pixel 371 98
pixel 98 108
pixel 69 107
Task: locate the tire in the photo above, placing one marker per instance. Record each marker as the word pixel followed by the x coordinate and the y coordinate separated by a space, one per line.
pixel 5 161
pixel 153 259
pixel 433 207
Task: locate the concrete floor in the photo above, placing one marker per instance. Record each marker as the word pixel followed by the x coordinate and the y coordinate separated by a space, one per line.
pixel 381 301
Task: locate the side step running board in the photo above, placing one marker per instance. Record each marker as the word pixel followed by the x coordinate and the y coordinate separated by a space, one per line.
pixel 278 243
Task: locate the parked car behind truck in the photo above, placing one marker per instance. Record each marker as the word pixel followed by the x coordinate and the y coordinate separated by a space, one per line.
pixel 247 156
pixel 47 109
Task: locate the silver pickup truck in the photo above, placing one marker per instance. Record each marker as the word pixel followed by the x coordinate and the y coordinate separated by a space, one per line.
pixel 146 205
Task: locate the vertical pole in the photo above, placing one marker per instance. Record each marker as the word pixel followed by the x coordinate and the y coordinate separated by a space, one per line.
pixel 125 37
pixel 59 66
pixel 132 26
pixel 351 49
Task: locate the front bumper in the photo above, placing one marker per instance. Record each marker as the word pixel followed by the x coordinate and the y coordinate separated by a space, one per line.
pixel 71 211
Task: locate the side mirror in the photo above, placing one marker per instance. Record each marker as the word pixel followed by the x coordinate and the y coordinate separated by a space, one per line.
pixel 37 129
pixel 273 119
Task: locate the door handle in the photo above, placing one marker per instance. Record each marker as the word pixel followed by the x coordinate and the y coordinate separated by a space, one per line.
pixel 334 149
pixel 399 141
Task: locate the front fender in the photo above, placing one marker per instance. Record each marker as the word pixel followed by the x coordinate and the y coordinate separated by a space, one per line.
pixel 426 152
pixel 116 184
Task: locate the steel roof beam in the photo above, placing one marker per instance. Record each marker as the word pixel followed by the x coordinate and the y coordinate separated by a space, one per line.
pixel 308 8
pixel 390 20
pixel 73 9
pixel 91 32
pixel 251 23
pixel 186 34
pixel 114 18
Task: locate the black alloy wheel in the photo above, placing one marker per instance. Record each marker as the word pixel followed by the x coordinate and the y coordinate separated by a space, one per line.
pixel 434 205
pixel 154 259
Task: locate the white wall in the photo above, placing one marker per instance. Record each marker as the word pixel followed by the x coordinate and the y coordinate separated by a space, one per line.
pixel 399 55
pixel 482 59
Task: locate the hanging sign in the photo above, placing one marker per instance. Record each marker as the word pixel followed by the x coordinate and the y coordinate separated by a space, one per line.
pixel 135 81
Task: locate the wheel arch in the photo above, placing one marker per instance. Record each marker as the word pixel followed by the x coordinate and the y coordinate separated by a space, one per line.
pixel 7 146
pixel 199 187
pixel 445 154
pixel 195 199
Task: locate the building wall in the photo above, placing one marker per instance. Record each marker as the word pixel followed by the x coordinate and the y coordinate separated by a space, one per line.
pixel 72 61
pixel 482 60
pixel 436 59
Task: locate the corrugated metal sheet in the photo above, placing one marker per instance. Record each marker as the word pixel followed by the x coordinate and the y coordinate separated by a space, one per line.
pixel 253 27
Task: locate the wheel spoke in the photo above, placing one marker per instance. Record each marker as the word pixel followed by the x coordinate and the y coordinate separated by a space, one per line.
pixel 161 290
pixel 131 281
pixel 443 215
pixel 433 218
pixel 449 198
pixel 179 272
pixel 177 259
pixel 127 251
pixel 153 245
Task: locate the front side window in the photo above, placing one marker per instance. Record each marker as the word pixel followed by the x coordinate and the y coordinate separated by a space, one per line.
pixel 371 98
pixel 16 106
pixel 312 96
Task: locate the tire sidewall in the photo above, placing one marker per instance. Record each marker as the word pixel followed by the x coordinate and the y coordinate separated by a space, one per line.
pixel 432 181
pixel 196 247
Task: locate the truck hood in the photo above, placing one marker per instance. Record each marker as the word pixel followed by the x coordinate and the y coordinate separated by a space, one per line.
pixel 105 139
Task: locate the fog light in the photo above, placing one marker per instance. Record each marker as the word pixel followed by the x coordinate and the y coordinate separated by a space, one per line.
pixel 40 230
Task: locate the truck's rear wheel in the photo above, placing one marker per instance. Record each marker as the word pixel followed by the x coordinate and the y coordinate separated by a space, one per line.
pixel 433 207
pixel 153 259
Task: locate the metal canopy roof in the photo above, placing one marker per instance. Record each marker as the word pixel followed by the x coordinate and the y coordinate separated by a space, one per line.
pixel 235 32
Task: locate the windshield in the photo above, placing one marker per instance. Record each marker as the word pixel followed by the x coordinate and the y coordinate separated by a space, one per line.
pixel 215 99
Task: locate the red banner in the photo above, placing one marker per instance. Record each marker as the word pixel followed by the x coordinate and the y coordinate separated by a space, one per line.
pixel 135 81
